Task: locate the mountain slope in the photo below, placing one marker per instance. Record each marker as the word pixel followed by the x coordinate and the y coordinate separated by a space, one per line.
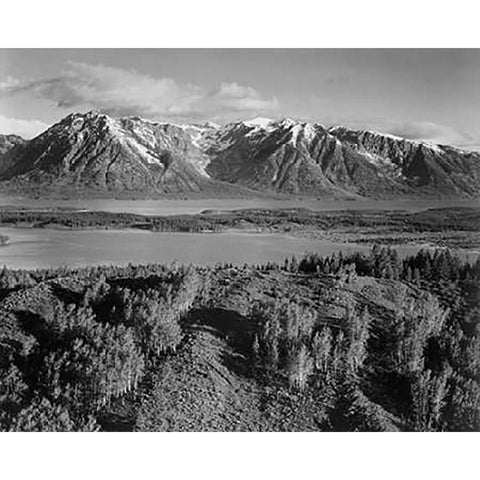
pixel 294 158
pixel 438 168
pixel 126 154
pixel 94 152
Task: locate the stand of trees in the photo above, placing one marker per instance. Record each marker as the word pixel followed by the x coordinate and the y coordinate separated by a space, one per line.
pixel 75 342
pixel 433 344
pixel 61 363
pixel 432 220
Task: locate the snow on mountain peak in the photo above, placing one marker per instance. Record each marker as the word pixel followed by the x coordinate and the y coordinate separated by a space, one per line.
pixel 295 133
pixel 288 122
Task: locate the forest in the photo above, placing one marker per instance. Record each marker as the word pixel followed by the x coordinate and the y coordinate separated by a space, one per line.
pixel 360 342
pixel 455 219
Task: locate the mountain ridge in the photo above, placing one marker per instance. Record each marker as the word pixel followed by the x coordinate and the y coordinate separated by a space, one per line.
pixel 113 156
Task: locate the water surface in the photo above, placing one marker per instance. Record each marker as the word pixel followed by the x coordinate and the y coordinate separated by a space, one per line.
pixel 39 248
pixel 176 207
pixel 42 248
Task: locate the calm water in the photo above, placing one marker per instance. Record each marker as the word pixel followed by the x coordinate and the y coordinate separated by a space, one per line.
pixel 39 248
pixel 173 207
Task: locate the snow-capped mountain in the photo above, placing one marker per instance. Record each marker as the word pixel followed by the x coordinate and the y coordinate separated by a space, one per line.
pixel 305 158
pixel 441 169
pixel 93 151
pixel 128 154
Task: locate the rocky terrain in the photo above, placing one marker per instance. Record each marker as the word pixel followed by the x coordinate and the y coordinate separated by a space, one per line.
pixel 93 152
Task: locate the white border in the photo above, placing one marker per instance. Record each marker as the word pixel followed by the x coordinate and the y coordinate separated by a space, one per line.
pixel 239 456
pixel 245 23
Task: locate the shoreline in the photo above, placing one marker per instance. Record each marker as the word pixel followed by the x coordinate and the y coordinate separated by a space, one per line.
pixel 432 241
pixel 457 228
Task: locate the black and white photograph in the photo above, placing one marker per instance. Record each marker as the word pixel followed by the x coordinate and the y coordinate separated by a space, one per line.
pixel 176 260
pixel 239 239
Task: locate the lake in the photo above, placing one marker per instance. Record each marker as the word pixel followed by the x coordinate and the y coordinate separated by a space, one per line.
pixel 177 207
pixel 42 248
pixel 39 248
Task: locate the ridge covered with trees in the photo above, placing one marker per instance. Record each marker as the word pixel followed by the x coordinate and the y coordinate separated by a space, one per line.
pixel 341 343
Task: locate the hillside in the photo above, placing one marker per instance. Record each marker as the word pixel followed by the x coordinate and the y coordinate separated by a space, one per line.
pixel 94 154
pixel 367 343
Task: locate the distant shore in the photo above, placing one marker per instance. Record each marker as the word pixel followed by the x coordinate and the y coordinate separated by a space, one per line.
pixel 455 227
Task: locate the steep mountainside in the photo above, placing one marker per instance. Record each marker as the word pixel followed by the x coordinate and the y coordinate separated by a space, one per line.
pixel 304 158
pixel 295 158
pixel 439 168
pixel 101 152
pixel 95 152
pixel 259 157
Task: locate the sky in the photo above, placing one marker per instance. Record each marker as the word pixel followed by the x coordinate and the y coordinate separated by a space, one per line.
pixel 430 94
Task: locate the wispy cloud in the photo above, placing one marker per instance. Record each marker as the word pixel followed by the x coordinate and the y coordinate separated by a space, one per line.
pixel 433 132
pixel 24 128
pixel 127 92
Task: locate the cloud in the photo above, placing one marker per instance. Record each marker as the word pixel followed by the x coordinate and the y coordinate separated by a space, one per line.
pixel 8 83
pixel 126 92
pixel 433 132
pixel 238 98
pixel 24 128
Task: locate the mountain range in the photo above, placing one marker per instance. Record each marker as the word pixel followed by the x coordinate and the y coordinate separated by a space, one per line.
pixel 93 153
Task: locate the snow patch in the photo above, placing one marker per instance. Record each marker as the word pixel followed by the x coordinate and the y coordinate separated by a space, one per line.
pixel 336 128
pixel 196 136
pixel 431 146
pixel 309 132
pixel 287 123
pixel 387 135
pixel 296 130
pixel 384 163
pixel 144 152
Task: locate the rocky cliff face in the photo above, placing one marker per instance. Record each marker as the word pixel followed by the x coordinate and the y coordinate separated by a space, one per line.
pixel 96 152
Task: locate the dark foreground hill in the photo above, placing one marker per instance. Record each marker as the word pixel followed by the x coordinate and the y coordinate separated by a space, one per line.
pixel 94 154
pixel 345 343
